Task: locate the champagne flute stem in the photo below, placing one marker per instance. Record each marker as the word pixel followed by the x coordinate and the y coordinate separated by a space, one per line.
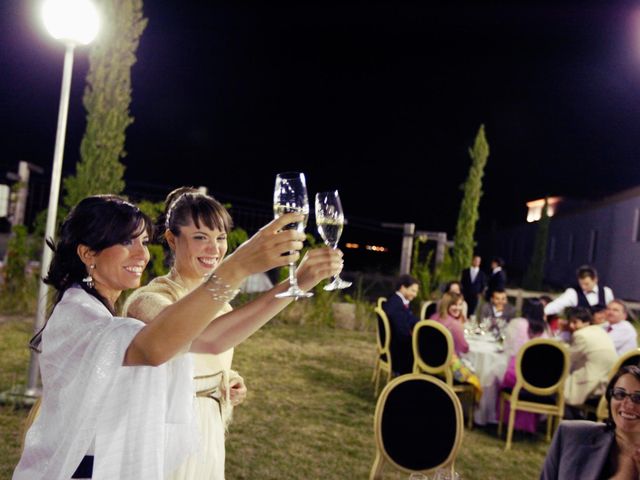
pixel 293 280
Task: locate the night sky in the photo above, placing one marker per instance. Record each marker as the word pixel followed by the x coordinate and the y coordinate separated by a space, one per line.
pixel 378 99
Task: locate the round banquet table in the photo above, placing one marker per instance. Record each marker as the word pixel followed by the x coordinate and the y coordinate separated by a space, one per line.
pixel 490 363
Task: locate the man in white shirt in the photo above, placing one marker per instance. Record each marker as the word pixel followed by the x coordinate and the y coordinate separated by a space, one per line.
pixel 620 330
pixel 586 293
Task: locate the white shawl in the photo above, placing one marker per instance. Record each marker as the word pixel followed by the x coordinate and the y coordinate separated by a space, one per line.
pixel 140 418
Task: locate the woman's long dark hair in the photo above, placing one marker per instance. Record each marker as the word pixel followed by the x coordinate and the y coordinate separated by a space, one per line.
pixel 533 311
pixel 98 222
pixel 624 370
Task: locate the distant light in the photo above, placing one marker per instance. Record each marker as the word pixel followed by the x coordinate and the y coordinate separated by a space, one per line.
pixel 376 248
pixel 351 245
pixel 71 21
pixel 534 212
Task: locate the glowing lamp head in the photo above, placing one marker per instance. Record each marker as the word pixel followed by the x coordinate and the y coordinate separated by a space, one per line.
pixel 71 21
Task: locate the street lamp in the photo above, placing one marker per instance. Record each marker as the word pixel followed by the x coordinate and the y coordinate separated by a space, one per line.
pixel 73 22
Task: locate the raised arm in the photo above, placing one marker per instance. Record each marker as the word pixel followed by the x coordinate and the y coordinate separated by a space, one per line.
pixel 230 329
pixel 175 327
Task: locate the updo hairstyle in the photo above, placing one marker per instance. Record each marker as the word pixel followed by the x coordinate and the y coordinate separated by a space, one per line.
pixel 187 204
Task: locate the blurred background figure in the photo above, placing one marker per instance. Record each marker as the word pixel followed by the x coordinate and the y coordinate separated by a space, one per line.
pixel 402 321
pixel 586 293
pixel 620 330
pixel 473 283
pixel 497 278
pixel 518 332
pixel 456 287
pixel 498 307
pixel 592 357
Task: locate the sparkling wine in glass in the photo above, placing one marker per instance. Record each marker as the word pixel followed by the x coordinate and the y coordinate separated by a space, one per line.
pixel 290 196
pixel 330 221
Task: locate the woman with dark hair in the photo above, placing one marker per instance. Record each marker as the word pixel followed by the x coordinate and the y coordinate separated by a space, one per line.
pixel 590 451
pixel 518 332
pixel 116 397
pixel 195 229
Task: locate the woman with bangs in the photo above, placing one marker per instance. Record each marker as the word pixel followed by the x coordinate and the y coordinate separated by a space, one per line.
pixel 195 229
pixel 117 396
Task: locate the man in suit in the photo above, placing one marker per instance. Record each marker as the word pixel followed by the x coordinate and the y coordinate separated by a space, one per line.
pixel 592 357
pixel 402 321
pixel 473 282
pixel 498 307
pixel 497 279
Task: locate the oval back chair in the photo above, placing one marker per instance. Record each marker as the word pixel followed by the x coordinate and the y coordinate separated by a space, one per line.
pixel 417 424
pixel 542 366
pixel 428 308
pixel 383 342
pixel 433 351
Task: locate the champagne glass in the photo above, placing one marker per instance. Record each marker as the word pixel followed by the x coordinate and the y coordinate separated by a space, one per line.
pixel 330 220
pixel 290 196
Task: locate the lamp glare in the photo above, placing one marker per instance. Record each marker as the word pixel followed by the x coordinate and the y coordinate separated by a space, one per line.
pixel 71 21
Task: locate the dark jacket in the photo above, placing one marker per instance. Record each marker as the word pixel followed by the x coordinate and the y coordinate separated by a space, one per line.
pixel 579 451
pixel 497 281
pixel 402 321
pixel 473 288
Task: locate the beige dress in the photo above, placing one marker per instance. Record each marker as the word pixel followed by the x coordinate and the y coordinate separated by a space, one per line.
pixel 211 372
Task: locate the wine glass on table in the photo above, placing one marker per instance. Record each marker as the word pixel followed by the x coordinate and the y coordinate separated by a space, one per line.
pixel 330 221
pixel 290 196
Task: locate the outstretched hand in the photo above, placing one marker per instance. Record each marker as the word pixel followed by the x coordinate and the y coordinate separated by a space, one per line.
pixel 318 264
pixel 269 248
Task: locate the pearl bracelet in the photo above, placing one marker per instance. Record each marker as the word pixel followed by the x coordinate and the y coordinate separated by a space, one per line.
pixel 220 291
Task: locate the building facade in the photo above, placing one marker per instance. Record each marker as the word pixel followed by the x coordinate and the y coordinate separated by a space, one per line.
pixel 605 234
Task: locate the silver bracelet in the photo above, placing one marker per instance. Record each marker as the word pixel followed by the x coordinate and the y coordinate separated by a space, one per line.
pixel 220 291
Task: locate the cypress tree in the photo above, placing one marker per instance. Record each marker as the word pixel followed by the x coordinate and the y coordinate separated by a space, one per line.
pixel 107 97
pixel 468 215
pixel 535 271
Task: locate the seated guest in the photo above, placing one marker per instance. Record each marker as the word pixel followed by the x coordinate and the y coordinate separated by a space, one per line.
pixel 585 293
pixel 599 314
pixel 450 315
pixel 592 357
pixel 620 330
pixel 588 451
pixel 456 287
pixel 451 287
pixel 498 307
pixel 518 332
pixel 402 321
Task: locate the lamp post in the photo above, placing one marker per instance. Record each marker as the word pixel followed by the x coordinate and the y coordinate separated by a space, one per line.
pixel 73 22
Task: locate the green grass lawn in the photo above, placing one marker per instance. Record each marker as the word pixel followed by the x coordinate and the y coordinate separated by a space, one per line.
pixel 308 415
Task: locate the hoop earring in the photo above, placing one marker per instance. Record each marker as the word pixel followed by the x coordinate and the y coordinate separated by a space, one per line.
pixel 88 280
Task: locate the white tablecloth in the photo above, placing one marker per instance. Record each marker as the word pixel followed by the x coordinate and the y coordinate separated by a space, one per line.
pixel 490 363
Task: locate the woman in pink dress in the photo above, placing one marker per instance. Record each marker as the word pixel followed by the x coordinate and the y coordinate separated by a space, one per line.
pixel 518 332
pixel 451 316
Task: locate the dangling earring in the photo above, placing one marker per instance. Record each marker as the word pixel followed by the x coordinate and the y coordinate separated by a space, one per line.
pixel 89 279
